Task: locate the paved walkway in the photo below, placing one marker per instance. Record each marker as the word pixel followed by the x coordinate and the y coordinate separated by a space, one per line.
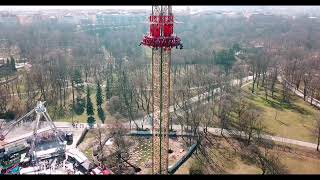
pixel 215 131
pixel 245 82
pixel 299 93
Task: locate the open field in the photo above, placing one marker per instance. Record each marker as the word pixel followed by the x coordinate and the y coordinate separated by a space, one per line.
pixel 292 120
pixel 83 117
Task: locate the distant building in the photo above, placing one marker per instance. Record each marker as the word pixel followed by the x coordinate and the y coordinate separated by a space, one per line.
pixel 85 20
pixel 53 19
pixel 25 19
pixel 23 65
pixel 230 14
pixel 312 17
pixel 8 19
pixel 69 18
pixel 38 17
pixel 92 18
pixel 2 60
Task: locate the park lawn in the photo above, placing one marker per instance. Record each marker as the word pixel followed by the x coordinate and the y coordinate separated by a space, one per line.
pixel 298 165
pixel 22 88
pixel 83 117
pixel 89 142
pixel 293 155
pixel 301 88
pixel 88 152
pixel 293 121
pixel 225 158
pixel 184 168
pixel 243 168
pixel 294 164
pixel 298 160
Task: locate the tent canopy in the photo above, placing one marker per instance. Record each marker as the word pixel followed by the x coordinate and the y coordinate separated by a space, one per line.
pixel 106 172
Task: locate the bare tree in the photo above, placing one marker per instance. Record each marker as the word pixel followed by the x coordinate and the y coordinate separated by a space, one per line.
pixel 285 90
pixel 122 148
pixel 316 129
pixel 251 124
pixel 240 107
pixel 4 99
pixel 114 105
pixel 225 102
pixel 268 161
pixel 239 70
pixel 254 59
pixel 274 71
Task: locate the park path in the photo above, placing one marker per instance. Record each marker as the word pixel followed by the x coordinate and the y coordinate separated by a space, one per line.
pixel 212 130
pixel 215 131
pixel 299 93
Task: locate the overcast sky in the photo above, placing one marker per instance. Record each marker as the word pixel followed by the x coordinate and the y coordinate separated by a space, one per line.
pixel 36 8
pixel 73 7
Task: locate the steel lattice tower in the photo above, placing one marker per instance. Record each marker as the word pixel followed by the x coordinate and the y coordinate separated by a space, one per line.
pixel 161 40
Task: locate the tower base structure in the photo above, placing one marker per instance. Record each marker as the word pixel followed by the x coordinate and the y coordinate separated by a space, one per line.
pixel 161 40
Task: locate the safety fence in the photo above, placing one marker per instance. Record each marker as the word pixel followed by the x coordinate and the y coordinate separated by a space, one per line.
pixel 175 167
pixel 83 134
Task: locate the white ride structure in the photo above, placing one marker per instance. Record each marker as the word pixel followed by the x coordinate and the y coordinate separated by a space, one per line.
pixel 33 154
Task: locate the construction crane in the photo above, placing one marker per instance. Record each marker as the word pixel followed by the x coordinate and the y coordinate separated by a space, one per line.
pixel 161 40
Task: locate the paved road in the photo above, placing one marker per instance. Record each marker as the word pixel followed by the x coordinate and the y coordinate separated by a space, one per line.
pixel 212 130
pixel 299 93
pixel 64 126
pixel 245 81
pixel 217 131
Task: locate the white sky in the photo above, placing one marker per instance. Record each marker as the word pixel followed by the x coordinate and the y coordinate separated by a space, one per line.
pixel 36 8
pixel 75 7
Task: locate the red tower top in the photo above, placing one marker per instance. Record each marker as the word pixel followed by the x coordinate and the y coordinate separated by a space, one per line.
pixel 161 33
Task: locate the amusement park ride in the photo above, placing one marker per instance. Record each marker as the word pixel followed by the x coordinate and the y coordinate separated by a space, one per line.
pixel 161 40
pixel 10 158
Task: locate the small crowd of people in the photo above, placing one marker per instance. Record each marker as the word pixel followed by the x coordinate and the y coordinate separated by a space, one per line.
pixel 67 167
pixel 76 124
pixel 46 165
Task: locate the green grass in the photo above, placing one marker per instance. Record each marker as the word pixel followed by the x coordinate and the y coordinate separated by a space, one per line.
pixel 291 120
pixel 221 153
pixel 298 165
pixel 88 152
pixel 242 168
pixel 83 117
pixel 221 158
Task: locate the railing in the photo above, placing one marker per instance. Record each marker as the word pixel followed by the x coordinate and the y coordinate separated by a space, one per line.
pixel 81 138
pixel 175 167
